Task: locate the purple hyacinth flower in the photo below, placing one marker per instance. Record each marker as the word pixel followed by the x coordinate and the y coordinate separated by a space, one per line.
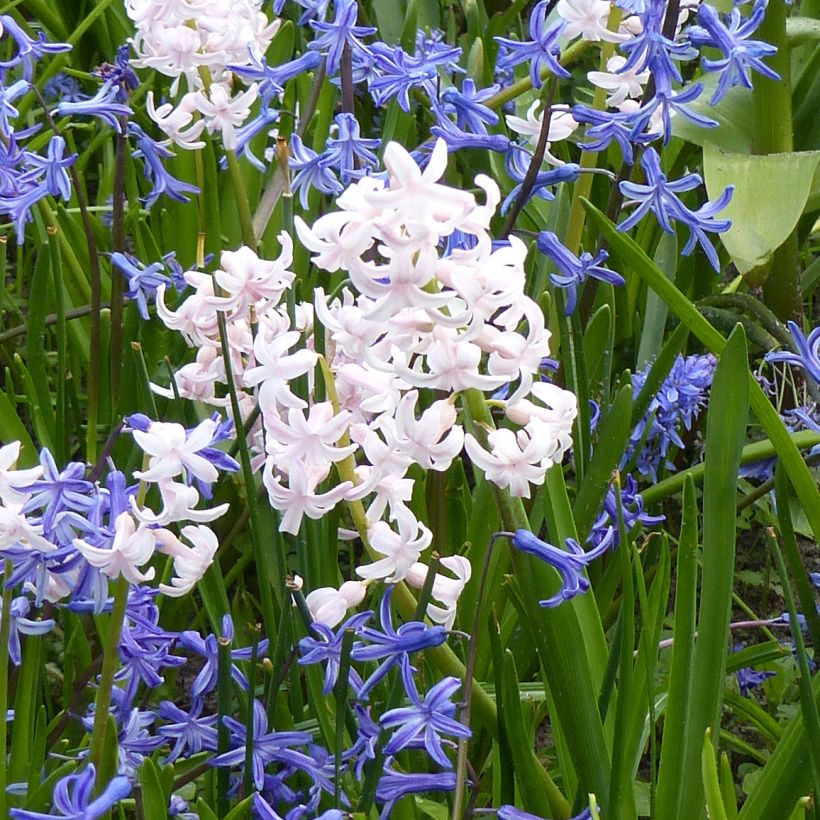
pixel 541 52
pixel 266 745
pixel 20 623
pixel 102 105
pixel 395 785
pixel 393 646
pixel 342 32
pixel 154 154
pixel 310 172
pixel 28 50
pixel 573 270
pixel 142 281
pixel 422 724
pixel 348 152
pixel 190 732
pixel 740 53
pixel 748 679
pixel 808 352
pixel 326 648
pixel 658 195
pixel 570 563
pixel 72 798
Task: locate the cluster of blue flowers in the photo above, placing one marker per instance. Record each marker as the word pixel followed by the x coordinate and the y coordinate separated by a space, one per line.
pixel 676 405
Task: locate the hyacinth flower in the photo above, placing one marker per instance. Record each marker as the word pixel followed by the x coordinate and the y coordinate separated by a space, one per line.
pixel 120 73
pixel 606 127
pixel 423 722
pixel 393 646
pixel 8 94
pixel 570 563
pixel 28 50
pixel 54 167
pixel 208 648
pixel 808 352
pixel 154 154
pixel 103 105
pixel 512 813
pixel 142 281
pixel 326 648
pixel 348 152
pixel 658 195
pixel 740 53
pixel 541 52
pixel 573 270
pixel 397 72
pixel 458 139
pixel 20 623
pixel 394 785
pixel 72 798
pixel 310 171
pixel 748 679
pixel 518 162
pixel 343 31
pixel 467 105
pixel 266 745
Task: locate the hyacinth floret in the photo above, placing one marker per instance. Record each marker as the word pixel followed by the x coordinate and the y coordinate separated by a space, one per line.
pixel 343 31
pixel 424 721
pixel 326 648
pixel 658 195
pixel 396 73
pixel 266 745
pixel 541 52
pixel 740 53
pixel 570 563
pixel 807 356
pixel 29 51
pixel 393 646
pixel 102 105
pixel 72 798
pixel 573 270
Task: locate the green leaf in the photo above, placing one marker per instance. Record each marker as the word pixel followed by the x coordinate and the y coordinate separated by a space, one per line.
pixel 12 429
pixel 672 758
pixel 539 794
pixel 612 438
pixel 154 802
pixel 770 195
pixel 725 433
pixel 711 783
pixel 802 30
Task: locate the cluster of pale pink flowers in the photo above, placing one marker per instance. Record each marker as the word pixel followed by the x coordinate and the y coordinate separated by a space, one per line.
pixel 194 42
pixel 358 387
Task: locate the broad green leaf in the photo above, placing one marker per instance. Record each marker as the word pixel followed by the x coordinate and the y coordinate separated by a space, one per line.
pixel 802 30
pixel 770 195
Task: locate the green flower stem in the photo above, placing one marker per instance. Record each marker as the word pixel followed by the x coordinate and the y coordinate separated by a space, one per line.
pixel 241 198
pixel 760 450
pixel 117 282
pixel 569 56
pixel 5 627
pixel 102 703
pixel 223 742
pixel 443 657
pixel 774 135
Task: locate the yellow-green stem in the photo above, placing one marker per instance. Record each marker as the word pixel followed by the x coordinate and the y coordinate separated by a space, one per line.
pixel 109 668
